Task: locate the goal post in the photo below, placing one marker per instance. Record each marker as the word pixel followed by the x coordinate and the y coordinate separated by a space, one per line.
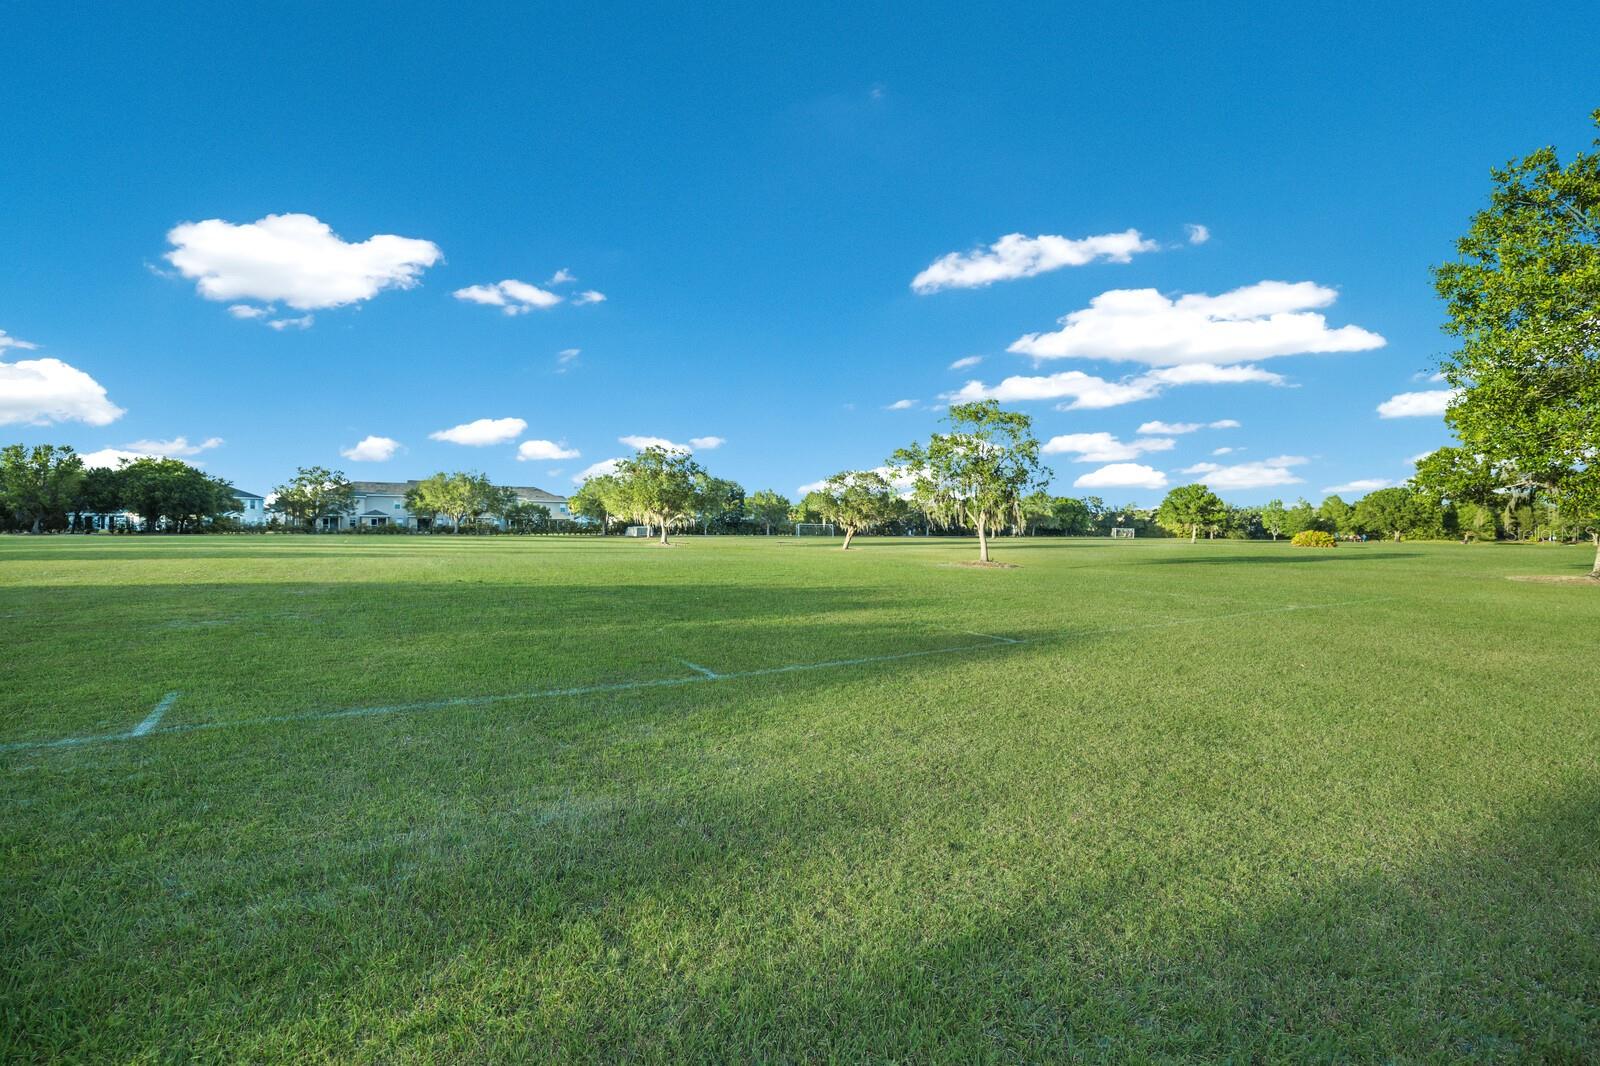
pixel 1122 533
pixel 815 529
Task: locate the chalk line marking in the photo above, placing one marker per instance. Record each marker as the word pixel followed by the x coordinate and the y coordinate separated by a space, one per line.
pixel 153 719
pixel 989 636
pixel 702 677
pixel 701 670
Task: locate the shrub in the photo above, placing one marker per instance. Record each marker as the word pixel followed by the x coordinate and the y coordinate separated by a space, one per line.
pixel 1314 538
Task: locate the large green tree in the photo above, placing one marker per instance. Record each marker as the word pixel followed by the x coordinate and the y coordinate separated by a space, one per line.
pixel 1523 297
pixel 857 500
pixel 1386 512
pixel 39 484
pixel 1189 509
pixel 315 492
pixel 768 507
pixel 172 494
pixel 597 499
pixel 661 485
pixel 1273 518
pixel 979 472
pixel 1333 515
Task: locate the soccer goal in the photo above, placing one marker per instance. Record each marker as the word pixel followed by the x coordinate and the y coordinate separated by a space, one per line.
pixel 815 529
pixel 638 531
pixel 1122 533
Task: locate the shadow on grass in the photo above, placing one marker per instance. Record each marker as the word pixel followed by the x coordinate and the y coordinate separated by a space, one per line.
pixel 656 888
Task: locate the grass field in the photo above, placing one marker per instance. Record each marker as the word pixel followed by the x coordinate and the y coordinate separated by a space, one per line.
pixel 1126 801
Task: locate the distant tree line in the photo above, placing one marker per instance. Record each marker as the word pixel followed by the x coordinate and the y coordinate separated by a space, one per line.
pixel 46 488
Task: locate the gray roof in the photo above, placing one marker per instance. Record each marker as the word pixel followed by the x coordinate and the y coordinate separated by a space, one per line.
pixel 243 495
pixel 527 493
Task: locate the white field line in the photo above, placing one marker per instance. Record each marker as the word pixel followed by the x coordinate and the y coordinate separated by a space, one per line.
pixel 702 676
pixel 154 717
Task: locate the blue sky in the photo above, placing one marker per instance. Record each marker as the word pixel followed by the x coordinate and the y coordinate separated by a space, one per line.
pixel 753 192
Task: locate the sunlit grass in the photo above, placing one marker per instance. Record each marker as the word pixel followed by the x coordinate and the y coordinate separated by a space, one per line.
pixel 1177 821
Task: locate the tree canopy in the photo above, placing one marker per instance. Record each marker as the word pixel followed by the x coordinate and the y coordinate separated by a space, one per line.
pixel 38 484
pixel 661 485
pixel 1190 508
pixel 979 472
pixel 1523 297
pixel 857 500
pixel 314 492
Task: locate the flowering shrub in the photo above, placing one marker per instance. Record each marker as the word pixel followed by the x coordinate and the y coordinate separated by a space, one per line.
pixel 1314 538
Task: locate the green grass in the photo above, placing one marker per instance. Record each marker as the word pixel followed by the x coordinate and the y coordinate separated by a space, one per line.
pixel 1179 822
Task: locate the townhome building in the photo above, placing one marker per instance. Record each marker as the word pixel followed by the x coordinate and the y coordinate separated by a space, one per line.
pixel 383 503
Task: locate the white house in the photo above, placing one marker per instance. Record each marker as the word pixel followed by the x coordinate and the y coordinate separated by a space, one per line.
pixel 383 503
pixel 252 509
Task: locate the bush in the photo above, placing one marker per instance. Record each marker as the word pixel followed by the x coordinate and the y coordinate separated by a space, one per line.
pixel 1314 538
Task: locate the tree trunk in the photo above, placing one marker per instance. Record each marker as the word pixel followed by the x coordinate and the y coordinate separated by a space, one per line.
pixel 38 522
pixel 1397 536
pixel 1194 533
pixel 1595 573
pixel 849 532
pixel 983 542
pixel 664 529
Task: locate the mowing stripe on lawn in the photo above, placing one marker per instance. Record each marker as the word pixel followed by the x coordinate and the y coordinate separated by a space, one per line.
pixel 702 676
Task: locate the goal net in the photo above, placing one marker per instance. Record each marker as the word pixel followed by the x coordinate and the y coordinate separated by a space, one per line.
pixel 637 531
pixel 1122 533
pixel 815 529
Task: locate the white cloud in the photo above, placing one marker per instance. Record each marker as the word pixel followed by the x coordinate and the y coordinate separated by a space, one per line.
pixel 1269 318
pixel 111 458
pixel 372 450
pixel 512 296
pixel 1361 485
pixel 566 358
pixel 302 322
pixel 1017 256
pixel 296 259
pixel 38 392
pixel 588 296
pixel 1223 451
pixel 1090 392
pixel 1085 390
pixel 1198 234
pixel 1103 447
pixel 177 447
pixel 1122 476
pixel 1211 374
pixel 249 311
pixel 966 361
pixel 898 480
pixel 1416 404
pixel 1188 427
pixel 561 277
pixel 8 341
pixel 901 405
pixel 1258 475
pixel 600 469
pixel 544 451
pixel 482 431
pixel 640 442
pixel 703 444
